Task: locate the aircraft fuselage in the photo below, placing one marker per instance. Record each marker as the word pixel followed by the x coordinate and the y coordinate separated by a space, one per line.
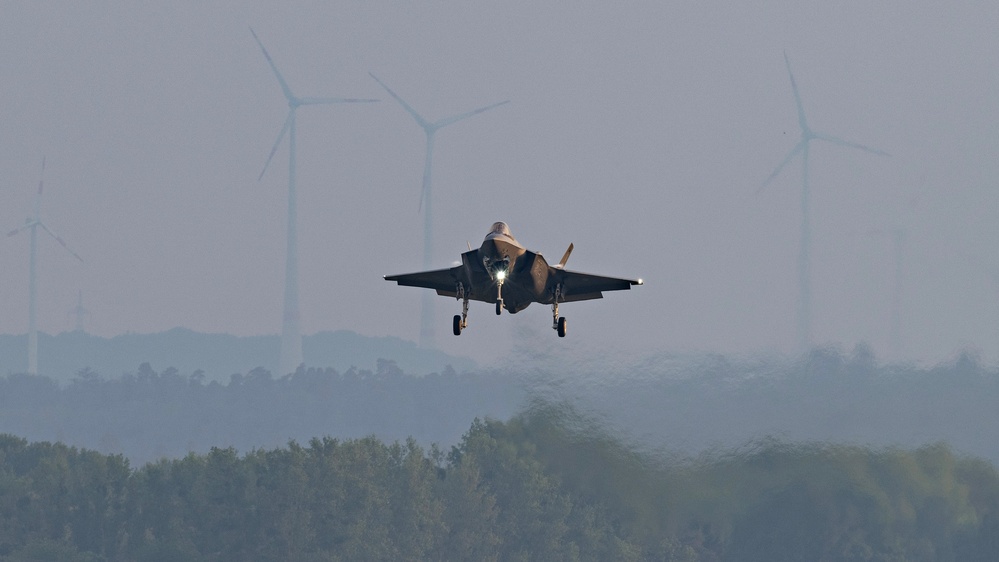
pixel 501 260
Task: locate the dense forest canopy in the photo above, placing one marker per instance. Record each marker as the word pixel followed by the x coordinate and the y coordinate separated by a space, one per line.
pixel 544 485
pixel 831 456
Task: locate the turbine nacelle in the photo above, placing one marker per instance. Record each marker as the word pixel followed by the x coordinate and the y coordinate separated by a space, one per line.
pixel 294 102
pixel 808 135
pixel 431 128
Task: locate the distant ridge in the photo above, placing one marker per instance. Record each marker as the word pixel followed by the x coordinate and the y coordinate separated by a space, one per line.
pixel 60 357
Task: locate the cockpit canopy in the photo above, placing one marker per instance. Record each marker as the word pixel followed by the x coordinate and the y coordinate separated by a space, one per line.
pixel 500 228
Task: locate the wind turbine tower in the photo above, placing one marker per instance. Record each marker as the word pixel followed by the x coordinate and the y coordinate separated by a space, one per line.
pixel 427 339
pixel 804 257
pixel 32 224
pixel 291 336
pixel 79 312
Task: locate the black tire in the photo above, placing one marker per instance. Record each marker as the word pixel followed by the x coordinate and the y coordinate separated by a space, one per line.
pixel 561 326
pixel 457 324
pixel 499 307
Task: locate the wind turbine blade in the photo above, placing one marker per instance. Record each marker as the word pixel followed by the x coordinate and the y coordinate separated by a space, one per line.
pixel 419 119
pixel 797 98
pixel 284 85
pixel 24 226
pixel 790 155
pixel 287 125
pixel 41 178
pixel 60 241
pixel 841 142
pixel 454 119
pixel 318 101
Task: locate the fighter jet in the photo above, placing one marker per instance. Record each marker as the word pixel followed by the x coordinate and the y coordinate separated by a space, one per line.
pixel 503 272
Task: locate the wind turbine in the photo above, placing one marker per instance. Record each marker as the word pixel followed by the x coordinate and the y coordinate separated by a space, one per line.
pixel 426 201
pixel 32 224
pixel 804 259
pixel 291 337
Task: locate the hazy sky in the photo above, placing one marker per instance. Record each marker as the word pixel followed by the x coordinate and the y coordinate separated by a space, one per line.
pixel 639 133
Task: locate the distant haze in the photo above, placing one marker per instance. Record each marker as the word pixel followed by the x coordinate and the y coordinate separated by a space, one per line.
pixel 640 134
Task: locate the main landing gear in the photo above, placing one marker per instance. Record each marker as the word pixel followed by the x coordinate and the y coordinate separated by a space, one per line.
pixel 461 320
pixel 558 322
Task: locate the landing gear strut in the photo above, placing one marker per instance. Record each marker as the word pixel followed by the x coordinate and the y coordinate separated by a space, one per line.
pixel 558 322
pixel 499 294
pixel 461 320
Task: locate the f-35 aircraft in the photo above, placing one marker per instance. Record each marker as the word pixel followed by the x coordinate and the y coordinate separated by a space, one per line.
pixel 504 272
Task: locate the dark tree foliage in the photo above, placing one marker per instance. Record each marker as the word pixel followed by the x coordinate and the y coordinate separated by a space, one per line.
pixel 545 485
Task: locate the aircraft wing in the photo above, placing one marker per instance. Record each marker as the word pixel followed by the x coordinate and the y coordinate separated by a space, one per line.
pixel 444 281
pixel 584 286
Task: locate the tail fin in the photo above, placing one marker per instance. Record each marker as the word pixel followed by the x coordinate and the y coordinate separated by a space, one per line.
pixel 565 257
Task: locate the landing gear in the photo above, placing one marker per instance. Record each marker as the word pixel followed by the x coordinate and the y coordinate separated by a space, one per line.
pixel 558 322
pixel 461 320
pixel 499 294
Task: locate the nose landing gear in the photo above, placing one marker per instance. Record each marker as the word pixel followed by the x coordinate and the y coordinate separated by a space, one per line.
pixel 499 292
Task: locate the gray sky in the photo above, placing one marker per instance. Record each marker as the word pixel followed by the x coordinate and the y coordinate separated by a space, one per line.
pixel 638 133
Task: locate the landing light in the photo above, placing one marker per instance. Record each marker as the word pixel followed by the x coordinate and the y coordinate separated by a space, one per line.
pixel 501 275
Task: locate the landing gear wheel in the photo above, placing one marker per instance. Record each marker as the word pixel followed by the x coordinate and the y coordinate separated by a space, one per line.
pixel 499 307
pixel 561 327
pixel 461 320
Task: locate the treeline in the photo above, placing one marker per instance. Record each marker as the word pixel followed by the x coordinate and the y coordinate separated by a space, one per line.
pixel 148 414
pixel 691 403
pixel 215 355
pixel 545 485
pixel 687 404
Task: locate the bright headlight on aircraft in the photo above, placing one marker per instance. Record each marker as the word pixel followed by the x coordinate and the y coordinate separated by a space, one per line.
pixel 501 275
